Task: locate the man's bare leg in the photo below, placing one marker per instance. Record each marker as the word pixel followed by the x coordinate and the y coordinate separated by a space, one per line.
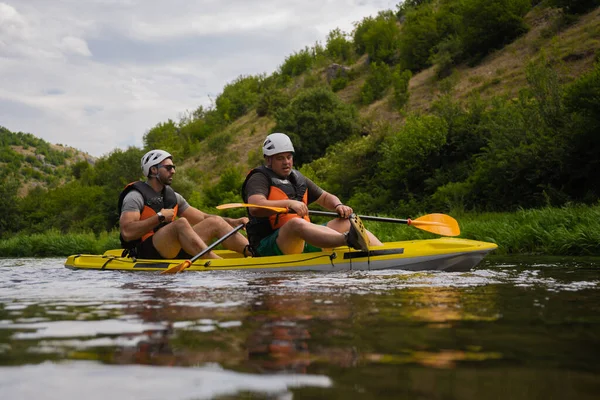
pixel 178 235
pixel 295 232
pixel 212 228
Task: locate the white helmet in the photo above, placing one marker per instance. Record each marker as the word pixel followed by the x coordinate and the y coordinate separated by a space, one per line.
pixel 277 143
pixel 152 158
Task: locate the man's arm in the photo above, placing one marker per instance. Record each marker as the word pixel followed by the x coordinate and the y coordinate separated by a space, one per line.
pixel 257 188
pixel 332 202
pixel 133 228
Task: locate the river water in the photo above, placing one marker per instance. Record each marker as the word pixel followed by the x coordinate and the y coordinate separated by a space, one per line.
pixel 513 328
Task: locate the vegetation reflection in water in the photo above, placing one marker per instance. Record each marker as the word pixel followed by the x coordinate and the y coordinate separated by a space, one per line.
pixel 381 334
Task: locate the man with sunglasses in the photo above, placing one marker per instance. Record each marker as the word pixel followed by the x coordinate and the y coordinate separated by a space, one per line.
pixel 148 225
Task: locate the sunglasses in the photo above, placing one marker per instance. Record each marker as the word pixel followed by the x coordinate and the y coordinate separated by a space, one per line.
pixel 167 167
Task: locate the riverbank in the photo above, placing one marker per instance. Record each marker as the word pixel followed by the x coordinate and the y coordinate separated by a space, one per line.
pixel 566 231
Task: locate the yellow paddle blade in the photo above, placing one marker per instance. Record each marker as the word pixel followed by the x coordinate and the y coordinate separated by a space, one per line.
pixel 440 224
pixel 238 205
pixel 177 268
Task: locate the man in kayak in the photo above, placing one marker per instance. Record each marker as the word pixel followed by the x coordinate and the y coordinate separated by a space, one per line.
pixel 148 209
pixel 277 184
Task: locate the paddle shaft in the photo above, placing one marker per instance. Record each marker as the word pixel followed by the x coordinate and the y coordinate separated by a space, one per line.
pixel 216 243
pixel 363 217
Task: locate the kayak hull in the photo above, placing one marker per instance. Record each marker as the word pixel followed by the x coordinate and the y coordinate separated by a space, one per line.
pixel 443 254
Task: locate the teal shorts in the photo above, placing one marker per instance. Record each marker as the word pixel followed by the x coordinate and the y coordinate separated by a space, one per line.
pixel 268 246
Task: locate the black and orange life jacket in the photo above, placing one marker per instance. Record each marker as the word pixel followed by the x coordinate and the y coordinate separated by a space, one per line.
pixel 153 203
pixel 293 187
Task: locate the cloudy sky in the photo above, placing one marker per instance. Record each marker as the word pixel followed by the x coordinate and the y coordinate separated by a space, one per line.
pixel 98 74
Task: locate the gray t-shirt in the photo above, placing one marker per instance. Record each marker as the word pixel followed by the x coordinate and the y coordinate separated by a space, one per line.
pixel 259 184
pixel 134 201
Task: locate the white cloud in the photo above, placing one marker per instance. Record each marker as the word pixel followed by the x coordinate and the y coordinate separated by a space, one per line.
pixel 98 74
pixel 74 45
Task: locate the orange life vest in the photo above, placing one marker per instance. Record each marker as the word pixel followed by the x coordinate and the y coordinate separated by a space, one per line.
pixel 293 187
pixel 153 203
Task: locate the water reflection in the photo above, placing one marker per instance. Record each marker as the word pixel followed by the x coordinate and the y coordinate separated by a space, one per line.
pixel 364 332
pixel 279 337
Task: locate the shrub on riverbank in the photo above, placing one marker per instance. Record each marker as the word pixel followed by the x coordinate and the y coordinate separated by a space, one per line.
pixel 55 244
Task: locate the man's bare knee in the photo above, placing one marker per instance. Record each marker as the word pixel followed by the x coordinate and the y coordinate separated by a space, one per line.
pixel 296 225
pixel 181 223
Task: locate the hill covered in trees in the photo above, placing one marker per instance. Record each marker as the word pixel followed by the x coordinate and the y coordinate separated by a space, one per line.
pixel 438 105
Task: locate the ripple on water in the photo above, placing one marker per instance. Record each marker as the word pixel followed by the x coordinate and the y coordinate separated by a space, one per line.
pixel 100 382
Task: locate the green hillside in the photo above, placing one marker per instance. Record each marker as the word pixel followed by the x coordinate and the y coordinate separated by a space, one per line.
pixel 32 162
pixel 438 105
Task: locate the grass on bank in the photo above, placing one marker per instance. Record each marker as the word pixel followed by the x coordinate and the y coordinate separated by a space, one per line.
pixel 572 230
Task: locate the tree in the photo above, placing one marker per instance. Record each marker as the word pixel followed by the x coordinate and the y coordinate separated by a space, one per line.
pixel 315 119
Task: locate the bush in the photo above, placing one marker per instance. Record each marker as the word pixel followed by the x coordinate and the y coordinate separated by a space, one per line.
pixel 420 34
pixel 411 156
pixel 295 64
pixel 376 84
pixel 315 119
pixel 400 81
pixel 379 37
pixel 226 190
pixel 270 101
pixel 338 46
pixel 576 6
pixel 582 103
pixel 346 166
pixel 238 97
pixel 446 54
pixel 488 25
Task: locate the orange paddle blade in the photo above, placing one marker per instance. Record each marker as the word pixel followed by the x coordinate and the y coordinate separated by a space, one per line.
pixel 238 205
pixel 440 224
pixel 177 268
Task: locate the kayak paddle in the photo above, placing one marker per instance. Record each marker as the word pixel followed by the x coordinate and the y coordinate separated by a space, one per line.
pixel 238 205
pixel 180 267
pixel 440 224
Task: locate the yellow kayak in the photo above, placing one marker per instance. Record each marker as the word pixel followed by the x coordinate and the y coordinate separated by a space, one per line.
pixel 443 254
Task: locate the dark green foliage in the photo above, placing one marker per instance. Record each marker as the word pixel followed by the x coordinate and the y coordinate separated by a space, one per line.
pixel 111 173
pixel 405 6
pixel 9 204
pixel 582 102
pixel 523 160
pixel 217 144
pixel 377 83
pixel 347 165
pixel 488 25
pixel 165 136
pixel 400 80
pixel 295 64
pixel 238 97
pixel 72 207
pixel 270 101
pixel 446 54
pixel 360 30
pixel 339 82
pixel 411 156
pixel 198 126
pixel 226 190
pixel 420 34
pixel 576 6
pixel 315 119
pixel 338 47
pixel 378 37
